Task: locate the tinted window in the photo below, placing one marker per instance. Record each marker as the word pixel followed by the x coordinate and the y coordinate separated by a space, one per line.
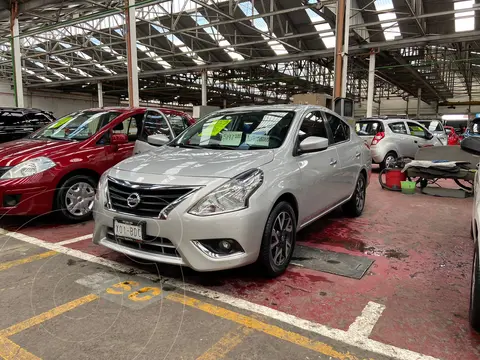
pixel 313 125
pixel 416 130
pixel 368 128
pixel 398 128
pixel 154 124
pixel 340 129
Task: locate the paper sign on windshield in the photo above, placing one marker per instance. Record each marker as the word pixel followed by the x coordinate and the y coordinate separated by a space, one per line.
pixel 258 140
pixel 231 138
pixel 214 128
pixel 61 122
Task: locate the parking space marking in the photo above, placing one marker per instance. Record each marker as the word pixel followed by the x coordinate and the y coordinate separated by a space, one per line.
pixel 363 325
pixel 74 240
pixel 258 325
pixel 38 319
pixel 10 264
pixel 226 344
pixel 310 326
pixel 11 351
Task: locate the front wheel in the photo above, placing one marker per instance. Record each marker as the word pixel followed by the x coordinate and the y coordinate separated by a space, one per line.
pixel 278 240
pixel 475 293
pixel 389 160
pixel 354 207
pixel 75 198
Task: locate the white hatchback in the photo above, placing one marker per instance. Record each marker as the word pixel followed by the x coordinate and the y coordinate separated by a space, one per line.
pixel 234 188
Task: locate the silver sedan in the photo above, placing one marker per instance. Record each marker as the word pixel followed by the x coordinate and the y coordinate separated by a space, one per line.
pixel 233 189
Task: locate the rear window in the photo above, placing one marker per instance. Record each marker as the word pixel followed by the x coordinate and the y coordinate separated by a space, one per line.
pixel 433 125
pixel 368 128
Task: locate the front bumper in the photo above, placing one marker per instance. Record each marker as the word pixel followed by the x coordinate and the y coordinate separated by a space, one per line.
pixel 180 230
pixel 35 194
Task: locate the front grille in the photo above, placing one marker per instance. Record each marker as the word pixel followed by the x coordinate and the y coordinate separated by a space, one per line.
pixel 4 169
pixel 152 244
pixel 153 198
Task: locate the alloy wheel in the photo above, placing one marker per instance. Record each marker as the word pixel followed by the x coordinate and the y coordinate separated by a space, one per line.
pixel 360 194
pixel 281 238
pixel 390 161
pixel 79 199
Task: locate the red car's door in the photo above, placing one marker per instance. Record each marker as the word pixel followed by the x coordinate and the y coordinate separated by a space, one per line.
pixel 131 127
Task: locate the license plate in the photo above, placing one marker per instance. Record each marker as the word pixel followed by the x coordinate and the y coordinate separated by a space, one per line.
pixel 128 230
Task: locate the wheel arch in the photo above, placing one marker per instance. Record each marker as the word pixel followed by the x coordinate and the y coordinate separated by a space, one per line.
pixel 291 199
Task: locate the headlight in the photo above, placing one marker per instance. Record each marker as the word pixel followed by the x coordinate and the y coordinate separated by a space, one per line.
pixel 102 185
pixel 29 168
pixel 231 196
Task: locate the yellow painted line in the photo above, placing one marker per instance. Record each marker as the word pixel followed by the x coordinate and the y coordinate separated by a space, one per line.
pixel 14 329
pixel 226 344
pixel 9 264
pixel 10 351
pixel 258 325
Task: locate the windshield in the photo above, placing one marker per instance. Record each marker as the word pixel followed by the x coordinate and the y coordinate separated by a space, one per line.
pixel 368 128
pixel 242 130
pixel 76 126
pixel 433 125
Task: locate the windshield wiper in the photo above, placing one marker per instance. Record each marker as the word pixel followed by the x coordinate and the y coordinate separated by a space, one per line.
pixel 187 146
pixel 219 147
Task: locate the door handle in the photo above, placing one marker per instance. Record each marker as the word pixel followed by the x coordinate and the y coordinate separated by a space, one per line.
pixel 357 155
pixel 333 162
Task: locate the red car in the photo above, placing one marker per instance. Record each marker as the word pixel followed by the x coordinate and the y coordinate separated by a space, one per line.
pixel 453 138
pixel 57 167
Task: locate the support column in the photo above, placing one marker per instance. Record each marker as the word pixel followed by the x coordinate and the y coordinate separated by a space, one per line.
pixel 345 48
pixel 419 100
pixel 131 38
pixel 339 34
pixel 100 94
pixel 371 84
pixel 224 103
pixel 16 58
pixel 204 88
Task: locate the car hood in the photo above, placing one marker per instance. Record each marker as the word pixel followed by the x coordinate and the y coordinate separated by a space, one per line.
pixel 196 162
pixel 14 152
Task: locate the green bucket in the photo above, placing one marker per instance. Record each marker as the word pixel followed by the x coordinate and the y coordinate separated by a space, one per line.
pixel 408 187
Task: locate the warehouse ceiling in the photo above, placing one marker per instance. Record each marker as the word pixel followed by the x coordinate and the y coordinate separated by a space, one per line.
pixel 255 51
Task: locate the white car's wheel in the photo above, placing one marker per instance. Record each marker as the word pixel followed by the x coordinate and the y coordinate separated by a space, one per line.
pixel 354 207
pixel 475 292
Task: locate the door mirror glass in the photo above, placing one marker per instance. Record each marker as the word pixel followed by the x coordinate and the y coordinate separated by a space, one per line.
pixel 448 131
pixel 158 139
pixel 118 139
pixel 313 143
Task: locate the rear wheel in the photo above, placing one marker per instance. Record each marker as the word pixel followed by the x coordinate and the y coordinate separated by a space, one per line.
pixel 278 240
pixel 389 160
pixel 354 207
pixel 75 198
pixel 475 293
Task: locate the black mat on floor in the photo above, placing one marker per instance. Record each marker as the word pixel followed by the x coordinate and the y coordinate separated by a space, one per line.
pixel 445 192
pixel 331 262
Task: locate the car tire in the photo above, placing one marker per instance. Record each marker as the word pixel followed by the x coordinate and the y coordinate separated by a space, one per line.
pixel 388 160
pixel 354 207
pixel 471 230
pixel 475 292
pixel 274 254
pixel 78 189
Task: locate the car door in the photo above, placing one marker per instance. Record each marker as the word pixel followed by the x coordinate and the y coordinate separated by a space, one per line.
pixel 419 136
pixel 404 144
pixel 318 171
pixel 131 127
pixel 154 122
pixel 349 154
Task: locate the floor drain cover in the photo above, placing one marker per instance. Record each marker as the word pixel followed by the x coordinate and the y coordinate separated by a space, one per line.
pixel 331 262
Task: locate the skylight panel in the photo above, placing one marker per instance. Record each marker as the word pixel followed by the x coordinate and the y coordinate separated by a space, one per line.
pixel 89 58
pixel 217 37
pixel 391 30
pixel 248 9
pixel 153 56
pixel 464 21
pixel 328 37
pixel 53 71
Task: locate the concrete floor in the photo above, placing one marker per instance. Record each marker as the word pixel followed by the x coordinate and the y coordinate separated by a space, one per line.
pixel 62 297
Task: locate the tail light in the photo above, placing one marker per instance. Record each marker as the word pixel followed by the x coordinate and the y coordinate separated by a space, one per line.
pixel 378 137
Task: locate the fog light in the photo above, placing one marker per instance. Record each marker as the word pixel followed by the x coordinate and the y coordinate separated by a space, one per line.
pixel 218 247
pixel 11 200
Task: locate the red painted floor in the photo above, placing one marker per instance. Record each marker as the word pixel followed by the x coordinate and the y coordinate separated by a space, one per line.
pixel 422 251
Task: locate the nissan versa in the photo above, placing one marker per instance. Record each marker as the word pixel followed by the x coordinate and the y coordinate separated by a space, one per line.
pixel 233 189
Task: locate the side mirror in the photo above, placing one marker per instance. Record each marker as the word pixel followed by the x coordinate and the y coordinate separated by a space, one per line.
pixel 313 143
pixel 429 136
pixel 118 139
pixel 158 139
pixel 448 131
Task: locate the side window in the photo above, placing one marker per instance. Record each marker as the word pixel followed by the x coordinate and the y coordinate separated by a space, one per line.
pixel 128 127
pixel 416 130
pixel 154 123
pixel 177 122
pixel 340 129
pixel 398 128
pixel 313 125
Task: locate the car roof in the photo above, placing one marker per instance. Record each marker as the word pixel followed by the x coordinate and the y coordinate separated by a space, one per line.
pixel 22 110
pixel 385 120
pixel 125 109
pixel 277 107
